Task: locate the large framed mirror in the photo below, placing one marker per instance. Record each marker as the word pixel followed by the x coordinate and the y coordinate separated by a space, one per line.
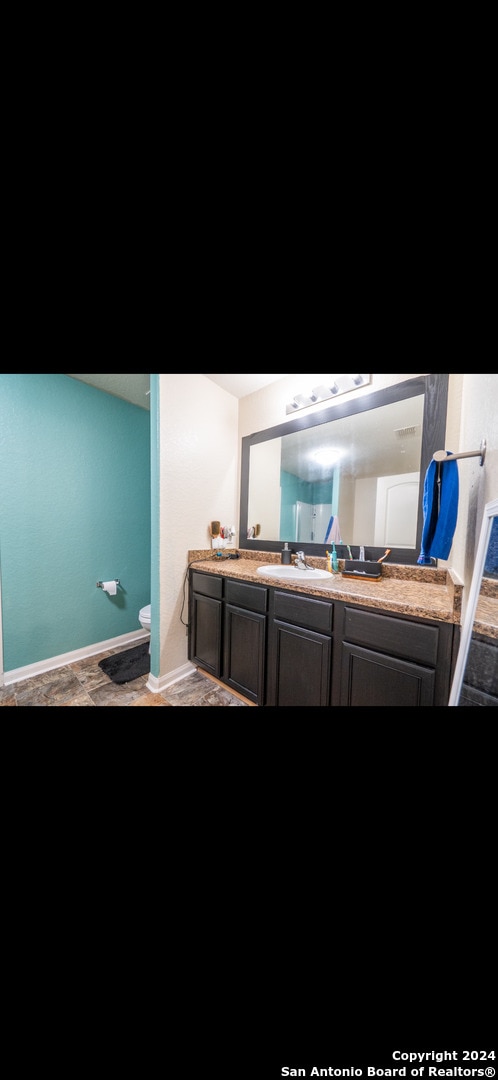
pixel 475 680
pixel 352 473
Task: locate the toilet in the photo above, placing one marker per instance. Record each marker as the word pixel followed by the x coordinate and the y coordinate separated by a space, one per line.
pixel 144 618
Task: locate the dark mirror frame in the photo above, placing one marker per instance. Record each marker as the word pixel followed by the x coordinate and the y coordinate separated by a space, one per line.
pixel 435 391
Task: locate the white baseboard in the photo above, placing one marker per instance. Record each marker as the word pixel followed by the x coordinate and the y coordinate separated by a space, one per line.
pixel 70 658
pixel 156 686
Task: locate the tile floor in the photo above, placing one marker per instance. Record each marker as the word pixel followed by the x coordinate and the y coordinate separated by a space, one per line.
pixel 84 683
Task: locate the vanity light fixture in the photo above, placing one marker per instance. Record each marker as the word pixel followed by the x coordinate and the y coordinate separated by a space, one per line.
pixel 300 401
pixel 332 386
pixel 321 393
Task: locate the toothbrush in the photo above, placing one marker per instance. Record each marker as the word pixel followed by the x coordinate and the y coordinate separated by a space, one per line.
pixel 384 556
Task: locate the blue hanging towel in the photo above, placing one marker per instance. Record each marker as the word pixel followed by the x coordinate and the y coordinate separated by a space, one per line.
pixel 329 526
pixel 440 506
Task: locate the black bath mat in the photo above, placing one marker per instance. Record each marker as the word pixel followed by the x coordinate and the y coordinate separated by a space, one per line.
pixel 128 665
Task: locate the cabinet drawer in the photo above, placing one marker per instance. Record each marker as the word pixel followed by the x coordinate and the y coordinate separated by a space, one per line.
pixel 312 614
pixel 414 641
pixel 254 597
pixel 207 585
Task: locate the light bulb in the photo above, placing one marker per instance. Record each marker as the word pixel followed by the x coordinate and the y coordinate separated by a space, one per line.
pixel 321 392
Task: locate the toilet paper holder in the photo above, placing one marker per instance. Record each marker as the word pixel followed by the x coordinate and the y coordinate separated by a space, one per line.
pixel 100 584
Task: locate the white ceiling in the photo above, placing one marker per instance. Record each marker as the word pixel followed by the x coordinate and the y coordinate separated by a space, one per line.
pixel 134 388
pixel 241 385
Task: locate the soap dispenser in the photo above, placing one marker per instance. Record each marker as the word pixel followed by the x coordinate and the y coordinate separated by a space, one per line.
pixel 286 555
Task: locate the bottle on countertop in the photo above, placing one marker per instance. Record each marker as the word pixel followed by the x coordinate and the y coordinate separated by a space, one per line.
pixel 285 556
pixel 332 561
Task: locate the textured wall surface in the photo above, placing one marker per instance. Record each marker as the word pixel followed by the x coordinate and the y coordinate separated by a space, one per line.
pixel 75 508
pixel 198 458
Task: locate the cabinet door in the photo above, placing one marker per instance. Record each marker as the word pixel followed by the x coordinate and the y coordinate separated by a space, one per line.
pixel 244 651
pixel 302 663
pixel 393 660
pixel 205 633
pixel 373 679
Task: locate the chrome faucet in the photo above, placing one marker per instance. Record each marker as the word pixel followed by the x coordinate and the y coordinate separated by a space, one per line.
pixel 300 563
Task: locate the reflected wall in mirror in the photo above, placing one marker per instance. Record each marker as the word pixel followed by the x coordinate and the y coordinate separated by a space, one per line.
pixel 352 473
pixel 475 682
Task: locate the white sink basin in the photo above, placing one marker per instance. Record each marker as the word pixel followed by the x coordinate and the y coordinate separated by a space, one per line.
pixel 292 573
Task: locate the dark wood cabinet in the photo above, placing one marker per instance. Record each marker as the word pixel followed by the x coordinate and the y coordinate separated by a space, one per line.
pixel 227 632
pixel 370 678
pixel 300 650
pixel 244 644
pixel 205 622
pixel 282 648
pixel 389 660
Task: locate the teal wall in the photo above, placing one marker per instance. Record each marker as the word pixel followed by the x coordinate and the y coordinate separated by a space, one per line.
pixel 75 508
pixel 293 490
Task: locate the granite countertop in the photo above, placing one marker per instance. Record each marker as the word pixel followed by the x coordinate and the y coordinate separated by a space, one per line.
pixel 486 616
pixel 421 591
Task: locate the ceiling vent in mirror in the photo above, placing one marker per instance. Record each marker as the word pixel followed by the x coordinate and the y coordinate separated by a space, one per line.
pixel 404 432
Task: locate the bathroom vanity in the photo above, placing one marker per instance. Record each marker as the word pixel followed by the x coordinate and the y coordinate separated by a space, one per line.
pixel 387 642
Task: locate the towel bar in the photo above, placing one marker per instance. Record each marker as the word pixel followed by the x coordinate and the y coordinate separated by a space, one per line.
pixel 441 455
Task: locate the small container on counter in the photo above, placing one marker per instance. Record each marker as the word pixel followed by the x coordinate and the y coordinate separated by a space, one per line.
pixel 286 554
